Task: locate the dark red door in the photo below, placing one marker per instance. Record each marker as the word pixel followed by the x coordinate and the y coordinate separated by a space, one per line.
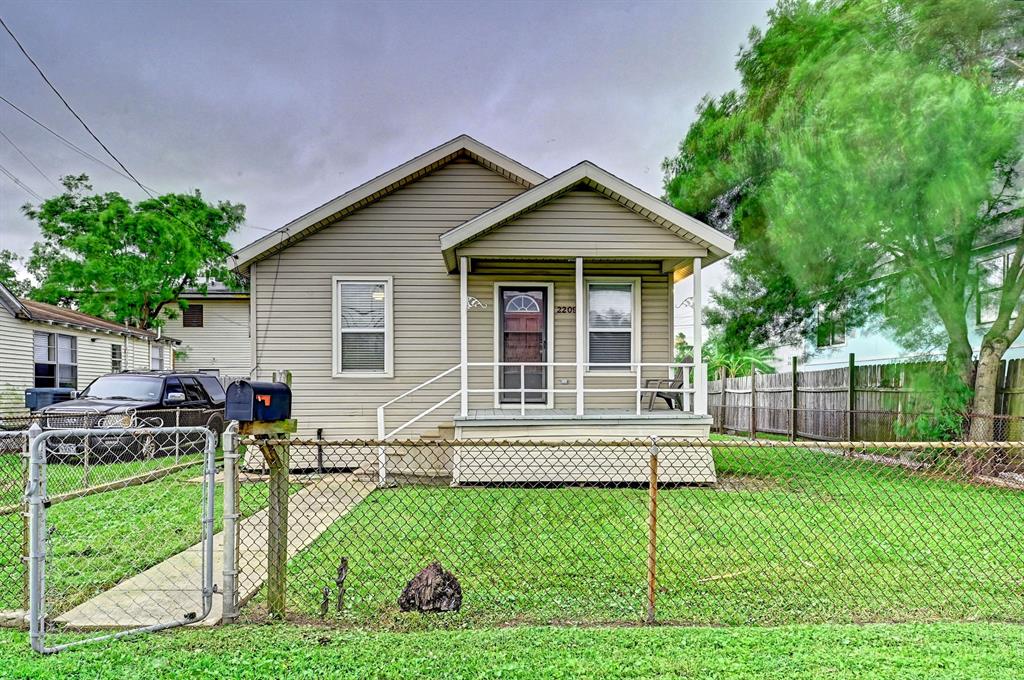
pixel 523 328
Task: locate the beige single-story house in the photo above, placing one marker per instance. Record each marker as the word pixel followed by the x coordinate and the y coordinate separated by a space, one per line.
pixel 214 332
pixel 462 295
pixel 44 345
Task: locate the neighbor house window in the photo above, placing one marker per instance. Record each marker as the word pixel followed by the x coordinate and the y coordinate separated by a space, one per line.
pixel 831 329
pixel 116 359
pixel 56 360
pixel 156 358
pixel 362 326
pixel 611 325
pixel 991 274
pixel 192 317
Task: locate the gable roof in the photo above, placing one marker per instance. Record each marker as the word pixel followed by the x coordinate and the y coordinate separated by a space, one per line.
pixel 586 173
pixel 379 187
pixel 41 312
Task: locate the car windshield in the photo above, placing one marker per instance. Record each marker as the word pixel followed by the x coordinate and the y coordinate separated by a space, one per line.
pixel 127 387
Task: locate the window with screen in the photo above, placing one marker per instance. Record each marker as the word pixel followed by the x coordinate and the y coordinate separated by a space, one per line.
pixel 611 329
pixel 362 324
pixel 116 358
pixel 56 360
pixel 156 358
pixel 192 317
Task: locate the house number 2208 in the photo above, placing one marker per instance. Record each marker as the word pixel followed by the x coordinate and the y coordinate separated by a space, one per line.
pixel 565 310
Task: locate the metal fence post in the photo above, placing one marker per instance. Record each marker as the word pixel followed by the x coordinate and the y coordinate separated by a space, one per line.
pixel 652 529
pixel 850 395
pixel 795 385
pixel 34 494
pixel 229 443
pixel 753 403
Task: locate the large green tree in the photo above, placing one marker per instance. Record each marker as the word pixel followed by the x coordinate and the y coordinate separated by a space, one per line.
pixel 113 258
pixel 870 159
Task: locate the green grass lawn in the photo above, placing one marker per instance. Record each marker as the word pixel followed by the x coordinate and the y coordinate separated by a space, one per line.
pixel 788 535
pixel 980 651
pixel 98 540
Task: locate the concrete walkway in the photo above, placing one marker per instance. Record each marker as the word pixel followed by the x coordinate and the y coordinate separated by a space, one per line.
pixel 170 590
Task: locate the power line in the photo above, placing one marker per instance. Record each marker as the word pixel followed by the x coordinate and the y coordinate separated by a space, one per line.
pixel 74 147
pixel 159 200
pixel 30 162
pixel 21 184
pixel 70 108
pixel 71 145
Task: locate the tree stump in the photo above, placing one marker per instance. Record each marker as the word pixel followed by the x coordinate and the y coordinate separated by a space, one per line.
pixel 432 590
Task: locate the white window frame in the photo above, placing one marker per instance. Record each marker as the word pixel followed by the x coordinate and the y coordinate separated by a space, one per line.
pixel 56 363
pixel 549 351
pixel 635 346
pixel 159 352
pixel 119 358
pixel 389 334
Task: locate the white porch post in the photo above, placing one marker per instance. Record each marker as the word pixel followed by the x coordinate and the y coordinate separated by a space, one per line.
pixel 581 330
pixel 464 334
pixel 700 383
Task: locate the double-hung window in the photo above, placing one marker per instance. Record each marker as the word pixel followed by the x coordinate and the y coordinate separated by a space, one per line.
pixel 56 360
pixel 116 358
pixel 156 357
pixel 612 322
pixel 363 326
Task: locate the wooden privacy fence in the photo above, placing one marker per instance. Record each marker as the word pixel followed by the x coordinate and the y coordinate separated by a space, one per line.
pixel 876 405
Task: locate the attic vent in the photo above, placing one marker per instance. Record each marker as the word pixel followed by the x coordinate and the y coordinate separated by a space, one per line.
pixel 192 317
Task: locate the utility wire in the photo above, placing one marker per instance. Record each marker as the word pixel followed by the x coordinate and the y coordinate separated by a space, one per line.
pixel 30 162
pixel 74 147
pixel 198 231
pixel 71 109
pixel 21 184
pixel 71 145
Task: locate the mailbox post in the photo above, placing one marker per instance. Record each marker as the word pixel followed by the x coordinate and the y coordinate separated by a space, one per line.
pixel 263 410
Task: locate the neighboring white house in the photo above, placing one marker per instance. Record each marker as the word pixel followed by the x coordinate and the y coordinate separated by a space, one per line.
pixel 214 332
pixel 463 295
pixel 43 345
pixel 834 342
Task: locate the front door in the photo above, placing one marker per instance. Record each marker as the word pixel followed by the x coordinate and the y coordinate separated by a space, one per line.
pixel 523 328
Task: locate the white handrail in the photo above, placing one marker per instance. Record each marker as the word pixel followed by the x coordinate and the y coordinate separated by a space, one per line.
pixel 690 387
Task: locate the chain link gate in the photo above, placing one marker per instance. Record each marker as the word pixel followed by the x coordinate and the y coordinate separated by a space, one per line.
pixel 128 551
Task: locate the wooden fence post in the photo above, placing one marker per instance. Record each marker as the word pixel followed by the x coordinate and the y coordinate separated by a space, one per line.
pixel 796 398
pixel 723 409
pixel 850 397
pixel 652 530
pixel 753 403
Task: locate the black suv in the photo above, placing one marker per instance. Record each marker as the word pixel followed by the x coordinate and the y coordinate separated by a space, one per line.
pixel 137 400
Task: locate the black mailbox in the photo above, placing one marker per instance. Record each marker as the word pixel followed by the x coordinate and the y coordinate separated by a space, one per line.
pixel 41 397
pixel 264 402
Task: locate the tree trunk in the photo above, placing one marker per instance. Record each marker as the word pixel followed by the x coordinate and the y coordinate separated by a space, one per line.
pixel 985 383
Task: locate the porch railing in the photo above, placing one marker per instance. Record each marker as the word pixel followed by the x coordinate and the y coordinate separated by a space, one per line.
pixel 692 391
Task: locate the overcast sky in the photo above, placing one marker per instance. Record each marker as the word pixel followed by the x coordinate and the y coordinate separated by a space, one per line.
pixel 282 106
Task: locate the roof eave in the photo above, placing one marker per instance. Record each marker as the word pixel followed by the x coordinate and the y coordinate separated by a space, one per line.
pixel 719 245
pixel 297 229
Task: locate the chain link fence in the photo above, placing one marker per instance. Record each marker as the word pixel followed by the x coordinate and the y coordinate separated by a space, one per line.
pixel 676 531
pixel 126 543
pixel 97 485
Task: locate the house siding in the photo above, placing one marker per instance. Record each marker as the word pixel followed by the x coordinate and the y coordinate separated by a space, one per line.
pixel 395 236
pixel 580 222
pixel 221 344
pixel 94 356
